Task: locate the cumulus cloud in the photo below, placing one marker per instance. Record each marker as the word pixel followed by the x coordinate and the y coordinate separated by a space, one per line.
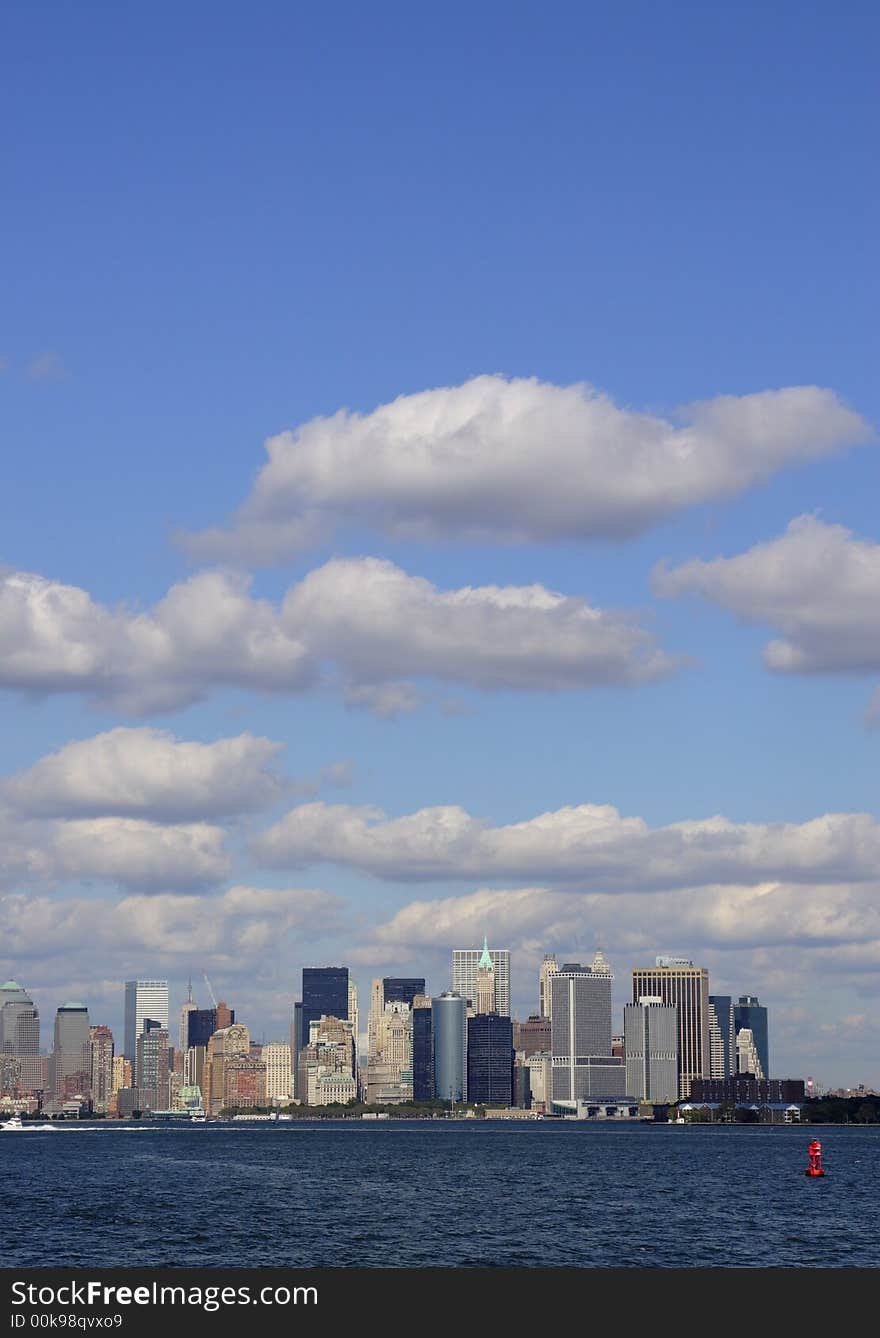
pixel 764 915
pixel 588 845
pixel 360 622
pixel 242 921
pixel 147 773
pixel 817 585
pixel 130 852
pixel 519 460
pixel 207 632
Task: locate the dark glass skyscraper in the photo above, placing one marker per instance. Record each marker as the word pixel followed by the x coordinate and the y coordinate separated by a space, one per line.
pixel 201 1024
pixel 722 1036
pixel 490 1060
pixel 324 994
pixel 423 1052
pixel 402 989
pixel 748 1012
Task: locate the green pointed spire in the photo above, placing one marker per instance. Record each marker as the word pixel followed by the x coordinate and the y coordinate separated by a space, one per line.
pixel 486 960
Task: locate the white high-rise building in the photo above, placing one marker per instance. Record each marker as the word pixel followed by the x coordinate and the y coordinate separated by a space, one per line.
pixel 580 1036
pixel 353 1019
pixel 650 1036
pixel 279 1078
pixel 143 999
pixel 465 964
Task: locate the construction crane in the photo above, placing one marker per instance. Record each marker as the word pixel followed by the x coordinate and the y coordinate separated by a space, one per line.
pixel 210 991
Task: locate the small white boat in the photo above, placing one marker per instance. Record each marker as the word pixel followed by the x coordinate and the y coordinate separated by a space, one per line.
pixel 14 1125
pixel 198 1117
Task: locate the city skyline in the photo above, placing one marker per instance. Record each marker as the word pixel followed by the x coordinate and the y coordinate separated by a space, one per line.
pixel 440 501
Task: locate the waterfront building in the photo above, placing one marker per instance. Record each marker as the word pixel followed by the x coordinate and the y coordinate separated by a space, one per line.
pixel 422 1049
pixel 746 1089
pixel 20 1036
pixel 71 1061
pixel 685 987
pixel 279 1082
pixel 533 1036
pixel 540 1067
pixel 449 1028
pixel 545 1002
pixel 143 999
pixel 226 1044
pixel 324 994
pixel 490 1059
pixel 465 964
pixel 325 1065
pixel 244 1082
pixel 151 1069
pixel 748 1012
pixel 101 1078
pixel 722 1036
pixel 650 1030
pixel 580 1033
pixel 390 1069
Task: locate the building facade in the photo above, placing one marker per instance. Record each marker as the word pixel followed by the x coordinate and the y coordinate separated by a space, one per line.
pixel 490 1060
pixel 101 1040
pixel 722 1036
pixel 650 1030
pixel 423 1049
pixel 20 1036
pixel 549 968
pixel 685 987
pixel 465 963
pixel 580 1033
pixel 143 999
pixel 71 1061
pixel 449 1028
pixel 749 1012
pixel 324 994
pixel 279 1077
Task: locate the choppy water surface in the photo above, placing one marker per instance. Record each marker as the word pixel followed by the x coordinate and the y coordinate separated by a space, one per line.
pixel 439 1193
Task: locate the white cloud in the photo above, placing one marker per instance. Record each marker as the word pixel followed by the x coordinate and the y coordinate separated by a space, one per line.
pixel 817 585
pixel 244 921
pixel 588 846
pixel 519 461
pixel 126 851
pixel 363 622
pixel 147 773
pixel 386 701
pixel 759 916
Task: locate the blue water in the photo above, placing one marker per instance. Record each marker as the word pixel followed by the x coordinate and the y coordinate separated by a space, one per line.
pixel 408 1194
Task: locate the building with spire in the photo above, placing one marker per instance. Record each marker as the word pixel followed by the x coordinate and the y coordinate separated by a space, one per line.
pixel 466 963
pixel 484 982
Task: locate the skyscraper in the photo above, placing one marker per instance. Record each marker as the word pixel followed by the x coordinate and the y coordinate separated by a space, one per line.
pixel 465 962
pixel 548 969
pixel 484 983
pixel 747 1060
pixel 71 1062
pixel 685 987
pixel 151 1066
pixel 402 989
pixel 584 1068
pixel 423 1049
pixel 490 1060
pixel 449 1027
pixel 188 1006
pixel 748 1012
pixel 722 1036
pixel 279 1077
pixel 324 994
pixel 143 999
pixel 101 1039
pixel 20 1035
pixel 650 1030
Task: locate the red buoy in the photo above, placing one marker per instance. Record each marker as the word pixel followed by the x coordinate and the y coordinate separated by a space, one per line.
pixel 814 1159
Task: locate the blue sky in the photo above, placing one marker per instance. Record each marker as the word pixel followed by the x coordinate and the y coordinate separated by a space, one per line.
pixel 220 225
